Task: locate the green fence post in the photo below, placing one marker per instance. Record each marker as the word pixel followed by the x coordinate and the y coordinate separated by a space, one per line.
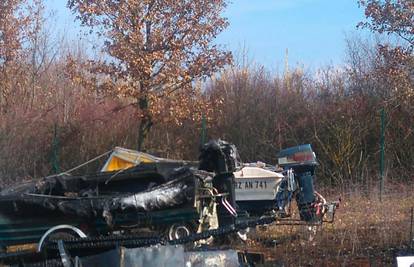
pixel 382 152
pixel 203 130
pixel 55 150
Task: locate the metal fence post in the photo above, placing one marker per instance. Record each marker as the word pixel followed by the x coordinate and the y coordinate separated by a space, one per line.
pixel 55 150
pixel 203 130
pixel 382 155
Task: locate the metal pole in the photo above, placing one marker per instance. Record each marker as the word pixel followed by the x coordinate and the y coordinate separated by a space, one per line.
pixel 55 150
pixel 382 141
pixel 203 130
pixel 411 229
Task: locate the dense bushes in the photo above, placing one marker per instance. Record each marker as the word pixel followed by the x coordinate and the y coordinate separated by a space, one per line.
pixel 50 121
pixel 334 111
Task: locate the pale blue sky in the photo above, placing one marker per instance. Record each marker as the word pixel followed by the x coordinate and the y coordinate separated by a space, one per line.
pixel 313 30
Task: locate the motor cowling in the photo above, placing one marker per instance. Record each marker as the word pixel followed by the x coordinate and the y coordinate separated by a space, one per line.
pixel 301 160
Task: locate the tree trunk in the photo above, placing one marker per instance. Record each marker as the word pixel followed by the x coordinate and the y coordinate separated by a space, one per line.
pixel 146 122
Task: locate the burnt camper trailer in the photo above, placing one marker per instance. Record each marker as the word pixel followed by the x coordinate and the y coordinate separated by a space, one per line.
pixel 164 197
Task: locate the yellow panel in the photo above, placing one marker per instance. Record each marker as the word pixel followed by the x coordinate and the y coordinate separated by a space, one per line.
pixel 123 158
pixel 118 164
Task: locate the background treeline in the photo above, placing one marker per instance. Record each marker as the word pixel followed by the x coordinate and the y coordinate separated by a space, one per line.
pixel 51 121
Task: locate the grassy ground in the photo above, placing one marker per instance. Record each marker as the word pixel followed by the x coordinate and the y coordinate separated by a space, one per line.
pixel 366 232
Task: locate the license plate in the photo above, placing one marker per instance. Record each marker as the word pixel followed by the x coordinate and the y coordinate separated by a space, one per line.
pixel 251 185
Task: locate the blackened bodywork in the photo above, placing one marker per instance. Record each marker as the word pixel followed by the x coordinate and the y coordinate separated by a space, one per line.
pixel 102 202
pixel 150 194
pixel 222 158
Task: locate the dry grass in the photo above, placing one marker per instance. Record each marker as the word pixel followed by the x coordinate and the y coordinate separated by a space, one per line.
pixel 366 232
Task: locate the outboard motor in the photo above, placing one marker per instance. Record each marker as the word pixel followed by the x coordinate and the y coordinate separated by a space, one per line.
pixel 221 157
pixel 300 161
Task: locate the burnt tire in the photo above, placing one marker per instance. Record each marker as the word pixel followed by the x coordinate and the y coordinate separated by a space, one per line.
pixel 61 235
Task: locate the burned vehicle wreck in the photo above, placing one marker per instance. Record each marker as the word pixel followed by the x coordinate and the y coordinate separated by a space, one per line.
pixel 90 196
pixel 137 193
pixel 171 198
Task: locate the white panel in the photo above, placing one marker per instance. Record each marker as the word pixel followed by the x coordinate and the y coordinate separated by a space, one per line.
pixel 253 183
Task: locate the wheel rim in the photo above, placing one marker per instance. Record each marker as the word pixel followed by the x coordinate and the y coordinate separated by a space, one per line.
pixel 177 231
